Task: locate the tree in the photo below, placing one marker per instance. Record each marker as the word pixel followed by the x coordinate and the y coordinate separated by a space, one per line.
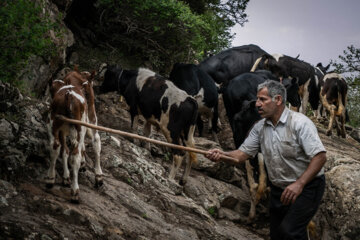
pixel 163 32
pixel 349 67
pixel 24 32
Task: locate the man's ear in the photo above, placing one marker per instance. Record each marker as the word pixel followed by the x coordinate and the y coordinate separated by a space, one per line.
pixel 279 100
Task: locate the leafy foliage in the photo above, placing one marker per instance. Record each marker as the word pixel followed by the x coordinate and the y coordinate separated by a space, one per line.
pixel 162 32
pixel 24 32
pixel 349 67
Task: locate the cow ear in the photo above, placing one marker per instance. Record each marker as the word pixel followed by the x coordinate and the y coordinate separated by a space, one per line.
pixel 327 67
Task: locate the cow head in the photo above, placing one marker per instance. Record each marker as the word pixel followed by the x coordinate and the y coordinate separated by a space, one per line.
pixel 244 120
pixel 111 80
pixel 292 91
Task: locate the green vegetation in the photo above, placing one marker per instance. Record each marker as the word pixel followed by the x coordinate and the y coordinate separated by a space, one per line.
pixel 162 32
pixel 24 31
pixel 212 211
pixel 349 66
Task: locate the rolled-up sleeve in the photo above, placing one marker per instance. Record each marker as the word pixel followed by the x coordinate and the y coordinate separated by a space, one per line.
pixel 309 139
pixel 251 144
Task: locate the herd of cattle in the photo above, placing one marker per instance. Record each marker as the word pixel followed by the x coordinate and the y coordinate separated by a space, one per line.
pixel 176 105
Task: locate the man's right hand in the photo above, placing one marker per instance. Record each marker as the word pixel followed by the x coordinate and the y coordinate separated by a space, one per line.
pixel 214 154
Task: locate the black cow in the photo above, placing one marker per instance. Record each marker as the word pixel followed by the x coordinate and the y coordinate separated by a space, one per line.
pixel 161 103
pixel 241 92
pixel 294 68
pixel 199 84
pixel 333 97
pixel 232 62
pixel 320 72
pixel 239 100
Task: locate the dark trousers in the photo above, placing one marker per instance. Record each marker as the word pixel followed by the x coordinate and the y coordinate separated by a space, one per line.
pixel 290 222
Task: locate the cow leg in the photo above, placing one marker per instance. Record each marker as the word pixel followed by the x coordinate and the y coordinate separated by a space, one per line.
pixel 214 121
pixel 75 166
pixel 76 160
pixel 341 113
pixel 305 98
pixel 177 160
pixel 261 190
pixel 147 133
pixel 134 128
pixel 331 122
pixel 54 153
pixel 343 120
pixel 96 143
pixel 83 158
pixel 252 187
pixel 190 142
pixel 65 157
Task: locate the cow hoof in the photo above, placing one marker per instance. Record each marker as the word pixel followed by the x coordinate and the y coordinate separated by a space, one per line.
pixel 49 182
pixel 75 196
pixel 98 181
pixel 66 182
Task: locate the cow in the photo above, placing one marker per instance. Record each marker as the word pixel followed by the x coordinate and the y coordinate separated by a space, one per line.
pixel 197 83
pixel 68 100
pixel 320 71
pixel 84 81
pixel 239 100
pixel 232 62
pixel 333 97
pixel 290 67
pixel 162 104
pixel 244 88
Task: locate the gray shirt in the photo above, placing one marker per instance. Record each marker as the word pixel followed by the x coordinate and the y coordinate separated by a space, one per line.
pixel 287 147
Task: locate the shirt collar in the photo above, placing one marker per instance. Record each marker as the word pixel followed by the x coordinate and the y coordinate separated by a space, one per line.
pixel 283 117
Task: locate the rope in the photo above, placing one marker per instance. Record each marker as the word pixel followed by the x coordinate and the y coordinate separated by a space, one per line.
pixel 132 135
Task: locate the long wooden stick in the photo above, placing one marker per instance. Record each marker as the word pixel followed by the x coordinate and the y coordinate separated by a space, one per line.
pixel 132 135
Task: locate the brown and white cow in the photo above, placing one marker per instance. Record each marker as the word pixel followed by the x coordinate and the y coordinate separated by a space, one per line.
pixel 84 80
pixel 333 96
pixel 69 101
pixel 75 90
pixel 162 104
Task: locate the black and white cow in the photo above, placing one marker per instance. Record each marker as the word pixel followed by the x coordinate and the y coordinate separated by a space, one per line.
pixel 333 97
pixel 232 62
pixel 195 82
pixel 320 72
pixel 161 103
pixel 239 100
pixel 294 68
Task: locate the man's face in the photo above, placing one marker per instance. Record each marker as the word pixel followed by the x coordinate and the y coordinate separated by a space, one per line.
pixel 266 107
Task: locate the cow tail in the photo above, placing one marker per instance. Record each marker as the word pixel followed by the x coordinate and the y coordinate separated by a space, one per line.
pixel 68 104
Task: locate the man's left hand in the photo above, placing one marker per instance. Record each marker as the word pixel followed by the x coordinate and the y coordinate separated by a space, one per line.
pixel 291 192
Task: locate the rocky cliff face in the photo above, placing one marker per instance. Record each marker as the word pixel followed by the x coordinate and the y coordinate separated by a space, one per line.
pixel 137 201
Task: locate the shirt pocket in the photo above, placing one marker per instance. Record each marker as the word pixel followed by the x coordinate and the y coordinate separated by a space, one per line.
pixel 287 150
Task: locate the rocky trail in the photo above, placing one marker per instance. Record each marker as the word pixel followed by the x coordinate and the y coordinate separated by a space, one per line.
pixel 137 201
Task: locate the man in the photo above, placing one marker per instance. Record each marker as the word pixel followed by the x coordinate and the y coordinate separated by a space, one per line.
pixel 294 157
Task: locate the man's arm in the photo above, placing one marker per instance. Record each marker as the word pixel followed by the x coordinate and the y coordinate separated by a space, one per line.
pixel 239 156
pixel 292 191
